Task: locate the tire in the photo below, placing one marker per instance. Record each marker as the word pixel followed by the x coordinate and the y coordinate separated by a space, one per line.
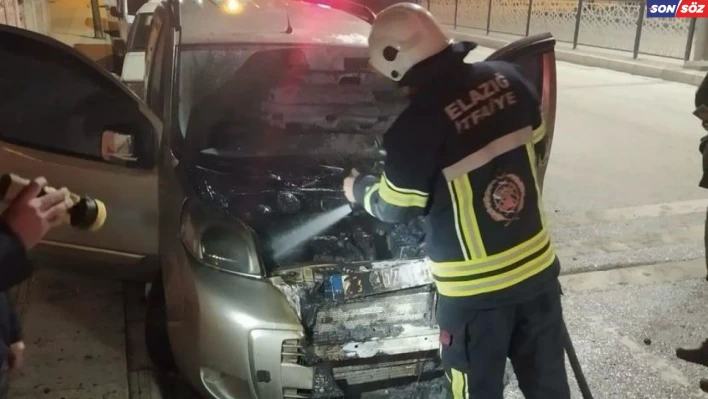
pixel 156 337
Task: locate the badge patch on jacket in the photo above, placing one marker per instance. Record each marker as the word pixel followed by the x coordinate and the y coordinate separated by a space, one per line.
pixel 504 198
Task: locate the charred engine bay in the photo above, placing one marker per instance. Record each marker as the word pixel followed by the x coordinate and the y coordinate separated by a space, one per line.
pixel 278 195
pixel 359 281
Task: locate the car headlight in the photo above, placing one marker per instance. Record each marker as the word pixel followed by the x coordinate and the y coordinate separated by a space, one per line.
pixel 227 245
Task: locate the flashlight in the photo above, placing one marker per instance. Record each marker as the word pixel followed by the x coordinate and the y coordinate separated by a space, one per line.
pixel 86 214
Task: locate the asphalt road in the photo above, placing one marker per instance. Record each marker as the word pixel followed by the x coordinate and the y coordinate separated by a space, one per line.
pixel 626 325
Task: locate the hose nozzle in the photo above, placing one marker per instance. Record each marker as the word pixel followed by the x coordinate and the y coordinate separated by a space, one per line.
pixel 86 214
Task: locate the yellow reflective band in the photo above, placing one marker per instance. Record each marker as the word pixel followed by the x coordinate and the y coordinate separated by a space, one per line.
pixel 468 219
pixel 367 198
pixel 456 221
pixel 532 158
pixel 539 133
pixel 395 197
pixel 458 384
pixel 493 262
pixel 498 282
pixel 400 189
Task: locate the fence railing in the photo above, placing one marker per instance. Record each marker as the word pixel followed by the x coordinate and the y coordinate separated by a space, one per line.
pixel 612 24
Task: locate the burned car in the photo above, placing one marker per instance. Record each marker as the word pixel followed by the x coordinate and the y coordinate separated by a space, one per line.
pixel 268 284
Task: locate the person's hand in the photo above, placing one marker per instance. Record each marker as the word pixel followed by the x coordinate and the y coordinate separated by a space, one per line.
pixel 31 217
pixel 349 185
pixel 17 355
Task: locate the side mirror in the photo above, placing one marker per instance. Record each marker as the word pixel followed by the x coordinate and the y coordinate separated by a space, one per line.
pixel 118 147
pixel 113 10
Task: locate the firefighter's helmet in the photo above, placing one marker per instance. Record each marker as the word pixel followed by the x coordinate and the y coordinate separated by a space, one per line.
pixel 403 35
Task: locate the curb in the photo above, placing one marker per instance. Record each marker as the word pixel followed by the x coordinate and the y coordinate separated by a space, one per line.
pixel 637 276
pixel 632 67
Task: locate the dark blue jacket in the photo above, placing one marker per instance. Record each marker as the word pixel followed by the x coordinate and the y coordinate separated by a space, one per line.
pixel 463 154
pixel 14 268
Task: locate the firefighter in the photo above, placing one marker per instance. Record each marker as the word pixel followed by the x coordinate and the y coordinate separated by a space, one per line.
pixel 700 354
pixel 462 154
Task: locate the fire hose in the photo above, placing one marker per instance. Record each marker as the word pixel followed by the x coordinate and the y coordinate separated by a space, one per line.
pixel 86 214
pixel 575 365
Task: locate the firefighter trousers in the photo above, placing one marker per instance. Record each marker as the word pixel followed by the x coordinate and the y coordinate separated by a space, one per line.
pixel 531 334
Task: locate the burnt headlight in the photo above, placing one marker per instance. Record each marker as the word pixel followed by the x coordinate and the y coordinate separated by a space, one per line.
pixel 224 244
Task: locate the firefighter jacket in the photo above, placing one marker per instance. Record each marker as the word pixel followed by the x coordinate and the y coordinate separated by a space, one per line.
pixel 462 153
pixel 702 99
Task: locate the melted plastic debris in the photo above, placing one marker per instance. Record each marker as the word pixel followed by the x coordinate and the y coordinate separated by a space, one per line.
pixel 288 202
pixel 407 239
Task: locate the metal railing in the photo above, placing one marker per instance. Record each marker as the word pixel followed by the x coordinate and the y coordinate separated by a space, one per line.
pixel 612 24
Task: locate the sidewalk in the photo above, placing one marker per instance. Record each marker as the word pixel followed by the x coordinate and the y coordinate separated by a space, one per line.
pixel 650 66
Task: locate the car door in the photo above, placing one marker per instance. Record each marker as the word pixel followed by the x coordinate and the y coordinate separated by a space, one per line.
pixel 65 118
pixel 536 56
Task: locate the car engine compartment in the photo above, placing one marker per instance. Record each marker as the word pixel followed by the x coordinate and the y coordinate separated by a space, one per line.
pixel 360 287
pixel 275 199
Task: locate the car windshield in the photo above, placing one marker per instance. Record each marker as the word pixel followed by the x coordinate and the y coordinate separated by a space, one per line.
pixel 281 101
pixel 137 39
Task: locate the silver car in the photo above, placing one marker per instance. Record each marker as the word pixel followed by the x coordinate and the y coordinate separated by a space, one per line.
pixel 254 112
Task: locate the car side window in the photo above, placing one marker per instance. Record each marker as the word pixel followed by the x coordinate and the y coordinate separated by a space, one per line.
pixel 64 104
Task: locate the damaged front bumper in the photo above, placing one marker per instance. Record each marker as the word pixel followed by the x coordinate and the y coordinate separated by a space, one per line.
pixel 370 330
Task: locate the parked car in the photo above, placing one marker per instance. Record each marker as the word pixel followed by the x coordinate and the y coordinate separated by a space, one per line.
pixel 121 16
pixel 253 114
pixel 125 11
pixel 133 72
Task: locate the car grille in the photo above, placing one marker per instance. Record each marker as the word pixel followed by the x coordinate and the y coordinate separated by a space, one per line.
pixel 296 393
pixel 292 351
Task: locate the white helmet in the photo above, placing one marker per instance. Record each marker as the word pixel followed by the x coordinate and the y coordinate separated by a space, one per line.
pixel 403 35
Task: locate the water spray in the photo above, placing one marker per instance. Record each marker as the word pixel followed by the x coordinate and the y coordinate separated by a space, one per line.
pixel 289 240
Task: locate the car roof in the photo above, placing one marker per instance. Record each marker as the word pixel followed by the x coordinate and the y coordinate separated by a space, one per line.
pixel 266 21
pixel 148 7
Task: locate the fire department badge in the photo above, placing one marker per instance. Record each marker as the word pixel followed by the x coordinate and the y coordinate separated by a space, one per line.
pixel 504 198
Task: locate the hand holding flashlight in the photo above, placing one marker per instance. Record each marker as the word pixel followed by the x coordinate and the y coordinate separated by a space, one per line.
pixel 31 217
pixel 81 212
